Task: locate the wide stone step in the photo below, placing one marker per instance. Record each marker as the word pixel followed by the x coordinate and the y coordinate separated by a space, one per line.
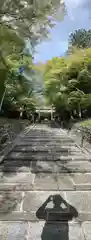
pixel 34 143
pixel 66 182
pixel 46 140
pixel 25 206
pixel 46 148
pixel 35 156
pixel 64 157
pixel 26 181
pixel 63 166
pixel 60 230
pixel 59 167
pixel 38 150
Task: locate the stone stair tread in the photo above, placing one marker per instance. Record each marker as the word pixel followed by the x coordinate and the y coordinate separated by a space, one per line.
pixel 45 162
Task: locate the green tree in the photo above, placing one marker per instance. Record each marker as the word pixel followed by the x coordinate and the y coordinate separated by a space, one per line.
pixel 81 38
pixel 18 87
pixel 68 81
pixel 29 18
pixel 84 81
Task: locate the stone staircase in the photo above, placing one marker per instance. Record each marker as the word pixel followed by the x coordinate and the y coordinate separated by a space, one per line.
pixel 43 163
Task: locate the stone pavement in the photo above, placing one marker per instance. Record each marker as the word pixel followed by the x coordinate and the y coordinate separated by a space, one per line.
pixel 45 188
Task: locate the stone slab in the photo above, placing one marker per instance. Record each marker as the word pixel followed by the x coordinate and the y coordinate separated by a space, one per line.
pixel 16 187
pixel 86 227
pixel 44 148
pixel 75 166
pixel 16 181
pixel 14 166
pixel 42 156
pixel 46 137
pixel 81 181
pixel 75 232
pixel 73 158
pixel 47 144
pixel 33 200
pixel 17 162
pixel 80 200
pixel 64 182
pixel 10 201
pixel 45 182
pixel 43 167
pixel 10 168
pixel 54 231
pixel 50 143
pixel 18 216
pixel 60 167
pixel 13 231
pixel 31 216
pixel 17 178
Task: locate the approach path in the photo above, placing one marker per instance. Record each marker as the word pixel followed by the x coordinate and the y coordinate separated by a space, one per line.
pixel 45 162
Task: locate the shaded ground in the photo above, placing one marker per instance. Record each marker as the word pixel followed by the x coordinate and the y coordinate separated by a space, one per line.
pixel 81 133
pixel 9 129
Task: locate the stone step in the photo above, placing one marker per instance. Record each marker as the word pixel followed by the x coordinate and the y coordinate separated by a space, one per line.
pixel 62 182
pixel 63 164
pixel 59 167
pixel 45 157
pixel 37 150
pixel 25 206
pixel 46 166
pixel 45 140
pixel 27 230
pixel 81 181
pixel 46 148
pixel 64 140
pixel 25 181
pixel 46 153
pixel 15 166
pixel 46 136
pixel 15 163
pixel 40 134
pixel 34 156
pixel 34 143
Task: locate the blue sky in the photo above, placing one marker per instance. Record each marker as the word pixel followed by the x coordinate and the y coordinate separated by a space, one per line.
pixel 78 16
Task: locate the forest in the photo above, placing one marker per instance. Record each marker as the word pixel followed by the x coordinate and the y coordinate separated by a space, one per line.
pixel 23 25
pixel 66 80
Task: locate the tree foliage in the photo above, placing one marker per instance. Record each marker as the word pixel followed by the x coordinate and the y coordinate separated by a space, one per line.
pixel 29 18
pixel 19 87
pixel 68 82
pixel 81 38
pixel 25 22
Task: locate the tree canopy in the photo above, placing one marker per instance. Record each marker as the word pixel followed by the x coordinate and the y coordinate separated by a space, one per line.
pixel 80 38
pixel 30 18
pixel 68 81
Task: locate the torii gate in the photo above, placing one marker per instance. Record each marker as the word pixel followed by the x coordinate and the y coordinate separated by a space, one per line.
pixel 46 110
